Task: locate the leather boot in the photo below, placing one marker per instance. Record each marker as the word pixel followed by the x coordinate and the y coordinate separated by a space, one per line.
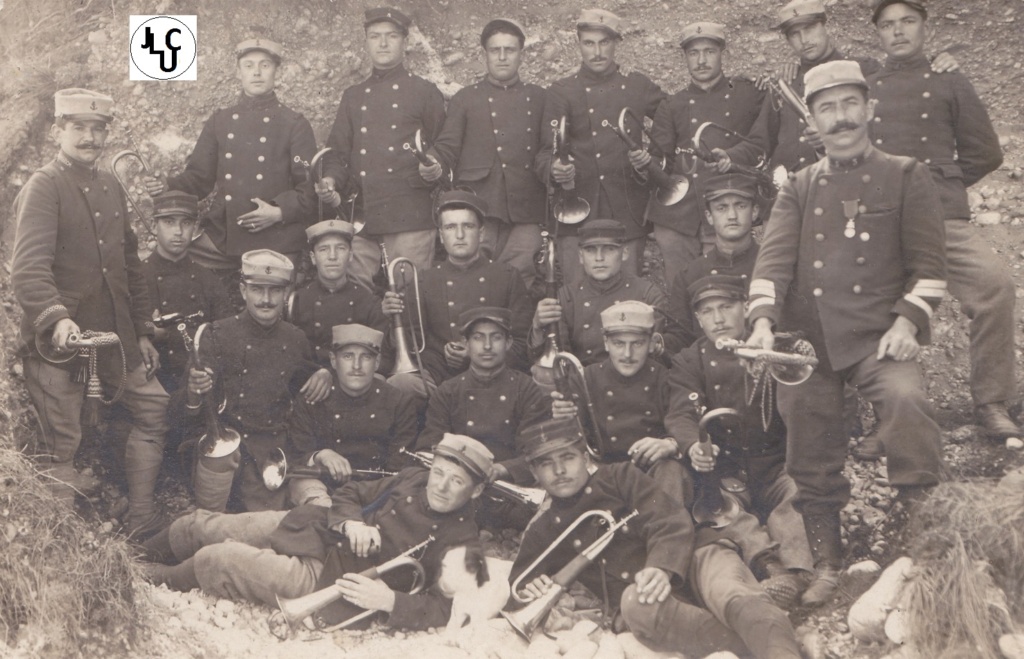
pixel 869 449
pixel 764 628
pixel 157 549
pixel 783 586
pixel 213 479
pixel 142 466
pixel 180 577
pixel 825 538
pixel 996 421
pixel 65 481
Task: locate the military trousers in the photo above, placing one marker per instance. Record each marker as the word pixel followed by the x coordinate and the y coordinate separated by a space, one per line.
pixel 817 446
pixel 417 246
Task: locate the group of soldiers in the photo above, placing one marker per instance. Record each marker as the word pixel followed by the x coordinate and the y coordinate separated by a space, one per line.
pixel 224 333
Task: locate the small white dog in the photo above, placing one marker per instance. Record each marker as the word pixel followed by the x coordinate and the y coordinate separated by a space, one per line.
pixel 477 585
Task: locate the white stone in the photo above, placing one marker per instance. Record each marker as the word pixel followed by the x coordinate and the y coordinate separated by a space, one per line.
pixel 989 218
pixel 1014 443
pixel 1012 646
pixel 864 567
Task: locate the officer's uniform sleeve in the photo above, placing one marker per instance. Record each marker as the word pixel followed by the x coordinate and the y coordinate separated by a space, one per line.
pixel 35 244
pixel 666 528
pixel 977 144
pixel 923 237
pixel 297 203
pixel 200 174
pixel 684 378
pixel 776 261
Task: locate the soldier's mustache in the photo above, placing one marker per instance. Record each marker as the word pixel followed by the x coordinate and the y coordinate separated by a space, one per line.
pixel 843 125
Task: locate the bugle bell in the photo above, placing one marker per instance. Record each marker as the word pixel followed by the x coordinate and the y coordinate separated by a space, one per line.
pixel 712 507
pixel 568 209
pixel 404 355
pixel 571 383
pixel 671 189
pixel 276 471
pixel 219 440
pixel 789 368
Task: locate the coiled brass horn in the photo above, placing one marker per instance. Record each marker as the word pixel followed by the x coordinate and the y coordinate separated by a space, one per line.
pixel 671 188
pixel 219 440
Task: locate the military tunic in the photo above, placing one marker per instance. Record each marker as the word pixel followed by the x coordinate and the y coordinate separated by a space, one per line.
pixel 604 176
pixel 491 410
pixel 374 119
pixel 628 408
pixel 316 310
pixel 367 430
pixel 398 507
pixel 683 329
pixel 246 151
pixel 184 288
pixel 489 141
pixel 580 329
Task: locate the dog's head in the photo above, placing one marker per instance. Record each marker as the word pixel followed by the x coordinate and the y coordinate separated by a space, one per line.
pixel 463 568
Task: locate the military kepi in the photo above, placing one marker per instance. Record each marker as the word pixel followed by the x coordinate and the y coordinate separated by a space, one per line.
pixel 549 436
pixel 83 103
pixel 602 232
pixel 355 334
pixel 468 452
pixel 463 199
pixel 800 12
pixel 502 25
pixel 175 202
pixel 265 266
pixel 330 227
pixel 731 183
pixel 879 5
pixel 629 316
pixel 389 14
pixel 832 74
pixel 730 287
pixel 599 19
pixel 500 316
pixel 704 30
pixel 271 48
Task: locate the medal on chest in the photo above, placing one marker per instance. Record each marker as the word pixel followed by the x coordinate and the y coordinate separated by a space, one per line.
pixel 850 211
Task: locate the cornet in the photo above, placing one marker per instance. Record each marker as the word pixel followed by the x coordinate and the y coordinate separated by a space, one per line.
pixel 568 210
pixel 403 354
pixel 790 368
pixel 671 189
pixel 571 382
pixel 219 440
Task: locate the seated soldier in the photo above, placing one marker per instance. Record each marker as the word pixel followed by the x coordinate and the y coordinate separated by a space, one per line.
pixel 179 289
pixel 732 211
pixel 332 298
pixel 361 424
pixel 267 555
pixel 654 569
pixel 258 363
pixel 464 280
pixel 577 308
pixel 750 456
pixel 632 394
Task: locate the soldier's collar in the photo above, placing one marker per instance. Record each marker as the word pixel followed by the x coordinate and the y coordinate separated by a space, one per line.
pixel 850 163
pixel 832 54
pixel 487 378
pixel 260 102
pixel 723 80
pixel 502 85
pixel 79 168
pixel 340 287
pixel 606 285
pixel 916 62
pixel 158 260
pixel 599 77
pixel 256 327
pixel 386 74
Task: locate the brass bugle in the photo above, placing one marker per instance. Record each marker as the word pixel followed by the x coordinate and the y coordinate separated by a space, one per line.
pixel 146 220
pixel 711 506
pixel 568 210
pixel 77 343
pixel 293 611
pixel 403 353
pixel 220 440
pixel 528 496
pixel 571 382
pixel 785 367
pixel 764 179
pixel 526 620
pixel 173 319
pixel 671 189
pixel 276 471
pixel 543 368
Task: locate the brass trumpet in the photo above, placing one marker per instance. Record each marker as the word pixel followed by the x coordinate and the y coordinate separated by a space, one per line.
pixel 219 440
pixel 671 188
pixel 316 164
pixel 419 149
pixel 146 219
pixel 790 368
pixel 765 180
pixel 528 496
pixel 782 91
pixel 293 611
pixel 568 210
pixel 526 620
pixel 403 354
pixel 276 471
pixel 543 369
pixel 571 382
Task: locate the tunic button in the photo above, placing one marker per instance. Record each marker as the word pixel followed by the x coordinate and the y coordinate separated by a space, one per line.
pixel 266 120
pixel 610 394
pixel 878 141
pixel 586 304
pixel 450 303
pixel 878 120
pixel 363 129
pixel 614 439
pixel 857 289
pixel 394 86
pixel 819 211
pixel 469 423
pixel 924 138
pixel 625 576
pixel 234 116
pixel 717 387
pixel 227 155
pixel 927 94
pixel 231 136
pixel 714 363
pixel 588 490
pixel 558 520
pixel 586 325
pixel 924 115
pixel 819 265
pixel 861 260
pixel 822 182
pixel 394 106
pixel 866 178
pixel 611 417
pixel 227 197
pixel 434 527
pixel 818 292
pixel 263 139
pixel 408 499
pixel 317 324
pixel 362 151
pixel 101 241
pixel 362 173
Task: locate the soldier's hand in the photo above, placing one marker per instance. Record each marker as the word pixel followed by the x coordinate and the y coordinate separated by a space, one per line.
pixel 392 304
pixel 317 386
pixel 945 63
pixel 548 311
pixel 455 355
pixel 62 331
pixel 639 159
pixel 723 162
pixel 499 472
pixel 653 585
pixel 789 71
pixel 645 452
pixel 900 342
pixel 431 172
pixel 813 138
pixel 564 173
pixel 335 464
pixel 367 593
pixel 153 185
pixel 266 215
pixel 199 381
pixel 537 587
pixel 150 356
pixel 362 538
pixel 324 189
pixel 762 336
pixel 561 408
pixel 701 461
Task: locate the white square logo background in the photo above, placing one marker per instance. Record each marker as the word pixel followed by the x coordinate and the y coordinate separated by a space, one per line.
pixel 169 51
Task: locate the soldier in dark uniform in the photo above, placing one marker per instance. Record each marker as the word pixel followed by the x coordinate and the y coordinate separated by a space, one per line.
pixel 730 102
pixel 246 152
pixel 489 141
pixel 601 170
pixel 853 256
pixel 333 298
pixel 76 268
pixel 730 202
pixel 940 120
pixel 750 455
pixel 466 279
pixel 361 424
pixel 375 118
pixel 653 570
pixel 578 307
pixel 489 401
pixel 269 555
pixel 258 362
pixel 177 285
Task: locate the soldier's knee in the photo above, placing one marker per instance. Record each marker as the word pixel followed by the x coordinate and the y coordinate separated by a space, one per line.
pixel 638 617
